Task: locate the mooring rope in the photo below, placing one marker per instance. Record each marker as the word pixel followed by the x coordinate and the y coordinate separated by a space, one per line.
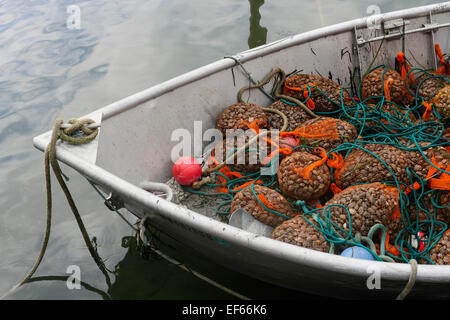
pixel 50 159
pixel 411 281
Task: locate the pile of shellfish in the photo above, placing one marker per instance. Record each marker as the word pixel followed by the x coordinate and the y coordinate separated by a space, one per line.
pixel 359 186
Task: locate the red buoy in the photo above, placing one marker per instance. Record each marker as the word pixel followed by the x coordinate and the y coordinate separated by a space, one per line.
pixel 186 171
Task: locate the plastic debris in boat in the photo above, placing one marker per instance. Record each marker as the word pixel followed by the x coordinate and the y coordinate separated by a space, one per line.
pixel 358 253
pixel 245 221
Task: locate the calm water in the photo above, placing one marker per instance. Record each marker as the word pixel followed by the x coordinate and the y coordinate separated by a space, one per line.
pixel 50 71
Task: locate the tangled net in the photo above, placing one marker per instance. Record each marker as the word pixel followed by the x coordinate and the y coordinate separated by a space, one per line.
pixel 419 217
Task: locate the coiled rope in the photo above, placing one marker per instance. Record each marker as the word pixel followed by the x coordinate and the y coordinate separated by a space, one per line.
pixel 277 91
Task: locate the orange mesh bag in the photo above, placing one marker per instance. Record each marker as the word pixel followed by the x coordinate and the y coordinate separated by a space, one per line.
pixel 245 199
pixel 372 86
pixel 442 214
pixel 304 176
pixel 299 232
pixel 340 132
pixel 438 181
pixel 440 253
pixel 247 161
pixel 362 167
pixel 442 102
pixel 430 87
pixel 318 129
pixel 368 204
pixel 296 116
pixel 238 115
pixel 296 87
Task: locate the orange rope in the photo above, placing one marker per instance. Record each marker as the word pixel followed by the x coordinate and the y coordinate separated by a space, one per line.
pixel 326 129
pixel 335 189
pixel 415 186
pixel 392 250
pixel 269 158
pixel 397 213
pixel 272 142
pixel 252 126
pixel 306 172
pixel 227 172
pixel 247 184
pixel 426 115
pixel 285 151
pixel 431 171
pixel 445 69
pixel 310 103
pixel 336 162
pixel 213 159
pixel 263 199
pixel 386 84
pixel 287 87
pixel 405 68
pixel 442 183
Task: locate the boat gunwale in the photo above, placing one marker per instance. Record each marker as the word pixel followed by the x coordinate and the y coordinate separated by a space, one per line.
pixel 307 257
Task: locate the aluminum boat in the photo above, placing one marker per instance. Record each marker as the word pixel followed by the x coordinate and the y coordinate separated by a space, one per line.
pixel 134 145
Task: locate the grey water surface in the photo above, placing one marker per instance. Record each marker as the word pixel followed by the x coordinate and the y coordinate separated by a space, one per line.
pixel 66 58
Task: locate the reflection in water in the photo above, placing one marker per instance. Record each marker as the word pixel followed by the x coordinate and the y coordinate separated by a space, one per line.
pixel 141 274
pixel 85 285
pixel 132 272
pixel 258 34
